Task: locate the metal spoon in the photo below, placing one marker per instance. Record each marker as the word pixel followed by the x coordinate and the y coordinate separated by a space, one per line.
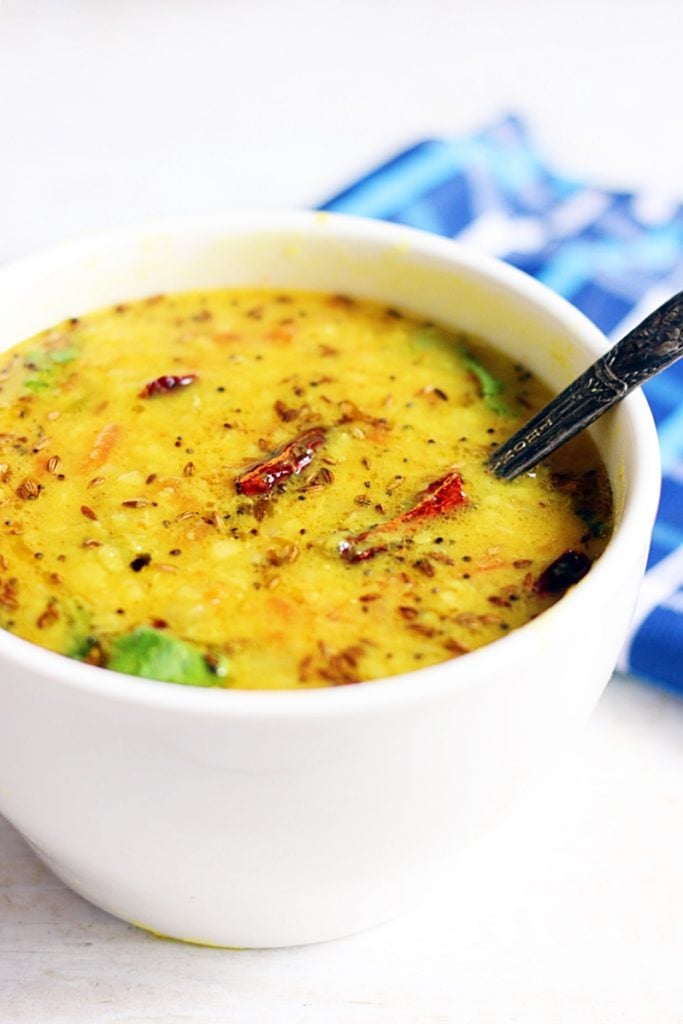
pixel 650 347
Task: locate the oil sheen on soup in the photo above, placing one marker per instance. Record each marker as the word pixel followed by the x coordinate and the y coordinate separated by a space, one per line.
pixel 261 489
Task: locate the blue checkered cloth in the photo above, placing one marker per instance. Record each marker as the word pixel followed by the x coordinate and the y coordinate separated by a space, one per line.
pixel 615 255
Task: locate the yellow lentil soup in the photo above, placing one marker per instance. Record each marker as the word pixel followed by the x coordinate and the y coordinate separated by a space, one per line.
pixel 259 489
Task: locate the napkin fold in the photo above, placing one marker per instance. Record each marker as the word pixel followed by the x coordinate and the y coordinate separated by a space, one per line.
pixel 615 255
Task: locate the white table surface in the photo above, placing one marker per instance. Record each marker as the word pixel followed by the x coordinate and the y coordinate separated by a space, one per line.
pixel 113 111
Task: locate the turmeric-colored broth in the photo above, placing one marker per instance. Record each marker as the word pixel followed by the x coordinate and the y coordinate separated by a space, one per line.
pixel 260 489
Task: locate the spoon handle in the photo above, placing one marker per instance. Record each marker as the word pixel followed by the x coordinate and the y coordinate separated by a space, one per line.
pixel 650 347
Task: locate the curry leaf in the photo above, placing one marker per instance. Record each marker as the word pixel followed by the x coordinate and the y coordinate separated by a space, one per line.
pixel 491 387
pixel 44 365
pixel 152 654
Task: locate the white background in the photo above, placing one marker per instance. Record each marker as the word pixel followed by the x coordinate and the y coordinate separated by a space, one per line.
pixel 113 112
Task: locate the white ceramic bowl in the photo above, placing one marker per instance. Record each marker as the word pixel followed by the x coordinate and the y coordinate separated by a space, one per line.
pixel 272 818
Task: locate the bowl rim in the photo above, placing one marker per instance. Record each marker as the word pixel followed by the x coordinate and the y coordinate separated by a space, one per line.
pixel 402 690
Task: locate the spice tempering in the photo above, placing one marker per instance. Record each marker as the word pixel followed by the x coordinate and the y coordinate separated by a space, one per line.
pixel 267 489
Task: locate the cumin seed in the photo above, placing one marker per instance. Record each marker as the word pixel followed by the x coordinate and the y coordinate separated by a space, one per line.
pixel 283 554
pixel 50 615
pixel 260 509
pixel 286 414
pixel 28 489
pixel 423 566
pixel 408 612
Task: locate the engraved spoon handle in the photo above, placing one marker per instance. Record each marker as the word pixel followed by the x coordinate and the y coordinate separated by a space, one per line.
pixel 650 347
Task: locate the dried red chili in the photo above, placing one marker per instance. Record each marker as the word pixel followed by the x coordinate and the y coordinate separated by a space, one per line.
pixel 170 382
pixel 286 461
pixel 441 497
pixel 566 570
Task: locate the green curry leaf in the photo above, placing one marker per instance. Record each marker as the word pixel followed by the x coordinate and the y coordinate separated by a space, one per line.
pixel 37 384
pixel 596 527
pixel 152 654
pixel 44 365
pixel 491 387
pixel 63 355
